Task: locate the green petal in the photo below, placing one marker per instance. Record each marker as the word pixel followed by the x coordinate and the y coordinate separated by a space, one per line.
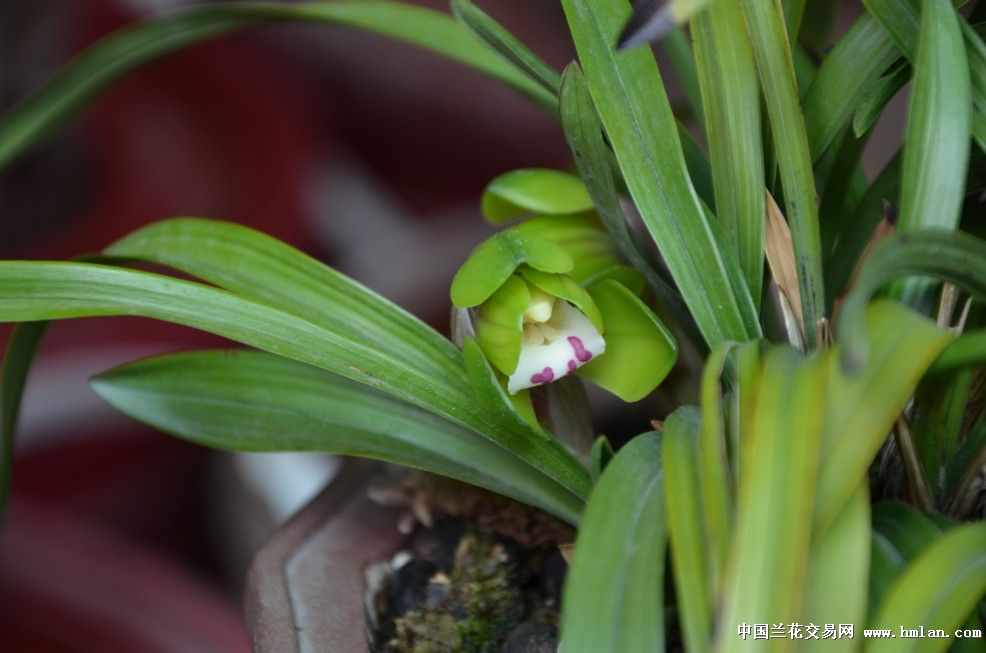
pixel 500 324
pixel 534 191
pixel 496 258
pixel 639 349
pixel 563 286
pixel 582 236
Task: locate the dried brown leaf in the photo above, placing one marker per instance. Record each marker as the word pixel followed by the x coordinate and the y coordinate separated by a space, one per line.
pixel 779 250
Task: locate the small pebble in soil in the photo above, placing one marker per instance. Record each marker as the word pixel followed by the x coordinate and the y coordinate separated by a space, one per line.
pixel 411 582
pixel 438 590
pixel 401 558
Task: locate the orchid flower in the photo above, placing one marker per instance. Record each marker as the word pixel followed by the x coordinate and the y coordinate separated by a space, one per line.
pixel 549 296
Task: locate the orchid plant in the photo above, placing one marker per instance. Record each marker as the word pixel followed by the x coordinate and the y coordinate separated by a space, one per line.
pixel 827 475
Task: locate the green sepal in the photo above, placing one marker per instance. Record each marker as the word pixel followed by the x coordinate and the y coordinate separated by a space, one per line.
pixel 534 191
pixel 640 351
pixel 499 324
pixel 564 287
pixel 496 258
pixel 491 387
pixel 582 236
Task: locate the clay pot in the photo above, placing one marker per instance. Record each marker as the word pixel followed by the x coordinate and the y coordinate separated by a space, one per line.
pixel 305 589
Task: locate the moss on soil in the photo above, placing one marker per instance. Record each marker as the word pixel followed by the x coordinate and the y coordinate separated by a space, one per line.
pixel 482 602
pixel 484 577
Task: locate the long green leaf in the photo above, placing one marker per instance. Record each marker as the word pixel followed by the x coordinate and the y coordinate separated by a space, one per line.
pixel 33 291
pixel 900 533
pixel 876 99
pixel 772 53
pixel 585 138
pixel 713 462
pixel 491 393
pixel 18 357
pixel 689 553
pixel 849 71
pixel 252 401
pixel 679 52
pixel 855 65
pixel 506 44
pixel 907 528
pixel 614 593
pixel 130 47
pixel 885 565
pixel 794 11
pixel 863 407
pixel 855 230
pixel 950 256
pixel 258 267
pixel 842 185
pixel 805 68
pixel 528 63
pixel 975 49
pixel 20 351
pixel 838 568
pixel 698 167
pixel 634 109
pixel 817 24
pixel 748 363
pixel 778 473
pixel 728 80
pixel 965 351
pixel 964 468
pixel 936 149
pixel 902 19
pixel 937 590
pixel 937 417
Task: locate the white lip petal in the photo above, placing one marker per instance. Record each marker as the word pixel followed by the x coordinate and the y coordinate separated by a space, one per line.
pixel 577 342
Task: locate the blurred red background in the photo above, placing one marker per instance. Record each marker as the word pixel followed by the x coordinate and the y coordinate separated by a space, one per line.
pixel 363 152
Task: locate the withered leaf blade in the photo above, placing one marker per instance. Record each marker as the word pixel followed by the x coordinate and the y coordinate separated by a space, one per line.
pixel 779 250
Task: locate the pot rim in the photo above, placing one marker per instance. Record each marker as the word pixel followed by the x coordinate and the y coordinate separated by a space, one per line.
pixel 305 588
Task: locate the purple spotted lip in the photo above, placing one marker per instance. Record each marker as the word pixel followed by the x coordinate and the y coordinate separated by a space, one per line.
pixel 547 375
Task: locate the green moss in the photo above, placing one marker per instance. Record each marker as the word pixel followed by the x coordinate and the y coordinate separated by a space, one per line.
pixel 472 608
